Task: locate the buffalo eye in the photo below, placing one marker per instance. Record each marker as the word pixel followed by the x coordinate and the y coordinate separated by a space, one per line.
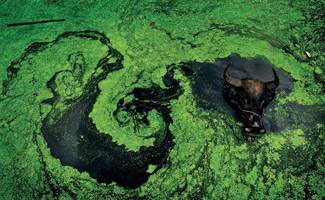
pixel 269 97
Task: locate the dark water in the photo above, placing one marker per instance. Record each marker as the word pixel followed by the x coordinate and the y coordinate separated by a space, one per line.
pixel 207 82
pixel 293 115
pixel 75 140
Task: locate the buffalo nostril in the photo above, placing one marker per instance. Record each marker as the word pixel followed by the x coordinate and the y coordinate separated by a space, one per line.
pixel 256 125
pixel 247 129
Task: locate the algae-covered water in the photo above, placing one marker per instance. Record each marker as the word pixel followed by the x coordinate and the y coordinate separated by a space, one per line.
pixel 123 99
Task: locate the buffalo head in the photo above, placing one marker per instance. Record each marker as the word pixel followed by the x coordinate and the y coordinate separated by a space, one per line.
pixel 248 97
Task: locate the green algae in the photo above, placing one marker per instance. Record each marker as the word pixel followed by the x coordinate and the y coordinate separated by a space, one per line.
pixel 210 159
pixel 130 135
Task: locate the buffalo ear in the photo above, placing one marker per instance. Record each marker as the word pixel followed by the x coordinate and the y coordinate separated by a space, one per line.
pixel 231 80
pixel 273 84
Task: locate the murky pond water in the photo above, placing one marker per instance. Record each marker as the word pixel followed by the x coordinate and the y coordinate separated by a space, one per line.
pixel 74 139
pixel 208 80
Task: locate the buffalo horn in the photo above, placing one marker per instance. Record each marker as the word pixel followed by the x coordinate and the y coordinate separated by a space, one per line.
pixel 231 80
pixel 273 84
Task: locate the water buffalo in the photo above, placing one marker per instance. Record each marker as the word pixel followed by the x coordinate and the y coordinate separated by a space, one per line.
pixel 248 97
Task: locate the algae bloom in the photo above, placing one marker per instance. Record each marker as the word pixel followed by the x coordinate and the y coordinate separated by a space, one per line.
pixel 124 99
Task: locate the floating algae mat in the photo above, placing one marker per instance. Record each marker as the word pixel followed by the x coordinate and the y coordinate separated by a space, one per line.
pixel 124 100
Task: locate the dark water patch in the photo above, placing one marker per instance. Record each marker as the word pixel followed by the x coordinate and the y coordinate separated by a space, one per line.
pixel 75 140
pixel 207 79
pixel 291 115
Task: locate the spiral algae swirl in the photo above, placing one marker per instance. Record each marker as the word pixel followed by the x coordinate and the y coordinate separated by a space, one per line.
pixel 72 90
pixel 75 140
